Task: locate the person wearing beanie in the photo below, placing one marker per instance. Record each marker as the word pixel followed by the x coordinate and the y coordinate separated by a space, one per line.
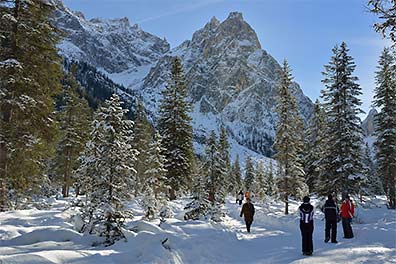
pixel 331 211
pixel 306 211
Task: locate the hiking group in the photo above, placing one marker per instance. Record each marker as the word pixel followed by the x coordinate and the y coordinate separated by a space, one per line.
pixel 332 213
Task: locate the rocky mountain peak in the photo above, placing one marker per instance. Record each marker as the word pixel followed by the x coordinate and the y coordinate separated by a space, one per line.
pixel 109 44
pixel 213 23
pixel 235 15
pixel 231 37
pixel 79 14
pixel 230 79
pixel 236 27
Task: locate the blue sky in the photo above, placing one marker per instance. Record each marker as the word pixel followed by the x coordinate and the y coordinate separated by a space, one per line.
pixel 302 31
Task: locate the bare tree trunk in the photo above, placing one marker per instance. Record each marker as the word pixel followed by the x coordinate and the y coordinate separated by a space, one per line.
pixel 172 194
pixel 286 204
pixel 66 176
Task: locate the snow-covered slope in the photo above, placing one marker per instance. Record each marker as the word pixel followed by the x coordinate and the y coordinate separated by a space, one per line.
pixel 47 236
pixel 113 45
pixel 231 79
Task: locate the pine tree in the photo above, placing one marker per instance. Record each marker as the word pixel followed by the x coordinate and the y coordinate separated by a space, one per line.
pixel 74 118
pixel 343 162
pixel 386 11
pixel 30 76
pixel 142 136
pixel 213 166
pixel 270 181
pixel 385 98
pixel 200 204
pixel 236 174
pixel 155 191
pixel 216 176
pixel 250 174
pixel 372 182
pixel 176 130
pixel 107 162
pixel 315 148
pixel 288 141
pixel 262 186
pixel 224 149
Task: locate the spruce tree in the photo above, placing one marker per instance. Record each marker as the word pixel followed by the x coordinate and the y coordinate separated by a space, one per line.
pixel 250 174
pixel 200 204
pixel 342 165
pixel 315 147
pixel 74 118
pixel 386 11
pixel 176 130
pixel 372 182
pixel 288 141
pixel 236 174
pixel 262 186
pixel 216 174
pixel 143 132
pixel 110 152
pixel 224 149
pixel 385 99
pixel 156 190
pixel 30 76
pixel 270 181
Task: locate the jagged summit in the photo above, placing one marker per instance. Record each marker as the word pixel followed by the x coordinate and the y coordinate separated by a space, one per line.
pixel 235 15
pixel 109 44
pixel 214 22
pixel 229 78
pixel 232 36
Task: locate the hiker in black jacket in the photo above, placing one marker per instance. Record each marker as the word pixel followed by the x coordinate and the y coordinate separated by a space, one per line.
pixel 331 212
pixel 248 212
pixel 306 211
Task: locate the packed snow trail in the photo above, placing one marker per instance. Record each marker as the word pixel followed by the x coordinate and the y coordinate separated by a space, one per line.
pixel 277 237
pixel 46 236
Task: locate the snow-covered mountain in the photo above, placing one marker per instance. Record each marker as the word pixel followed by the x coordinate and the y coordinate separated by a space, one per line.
pixel 113 46
pixel 231 79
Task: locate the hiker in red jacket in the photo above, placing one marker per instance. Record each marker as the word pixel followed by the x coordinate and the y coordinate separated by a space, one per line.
pixel 347 213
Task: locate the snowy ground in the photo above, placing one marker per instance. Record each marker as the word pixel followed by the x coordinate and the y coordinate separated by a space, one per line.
pixel 46 236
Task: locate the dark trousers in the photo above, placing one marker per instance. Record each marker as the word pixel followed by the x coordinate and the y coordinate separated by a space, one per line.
pixel 346 225
pixel 248 224
pixel 240 202
pixel 331 225
pixel 306 233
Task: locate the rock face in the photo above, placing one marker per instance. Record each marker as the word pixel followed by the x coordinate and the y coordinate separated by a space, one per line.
pixel 110 45
pixel 368 123
pixel 231 81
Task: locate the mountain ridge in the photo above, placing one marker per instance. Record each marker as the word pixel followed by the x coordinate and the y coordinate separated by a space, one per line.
pixel 231 80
